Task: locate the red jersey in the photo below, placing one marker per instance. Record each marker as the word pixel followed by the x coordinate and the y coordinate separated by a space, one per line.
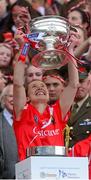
pixel 66 119
pixel 83 149
pixel 35 129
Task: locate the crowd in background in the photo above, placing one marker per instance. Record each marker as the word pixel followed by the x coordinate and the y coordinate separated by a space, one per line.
pixel 14 14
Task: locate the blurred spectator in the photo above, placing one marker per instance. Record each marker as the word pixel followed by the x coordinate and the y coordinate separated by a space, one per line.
pixel 38 5
pixel 83 51
pixel 63 6
pixel 6 56
pixel 33 73
pixel 82 36
pixel 70 4
pixel 6 21
pixel 55 84
pixel 50 10
pixel 80 51
pixel 87 7
pixel 42 7
pixel 26 3
pixel 21 17
pixel 8 146
pixel 76 16
pixel 5 79
pixel 2 81
pixel 59 7
pixel 56 87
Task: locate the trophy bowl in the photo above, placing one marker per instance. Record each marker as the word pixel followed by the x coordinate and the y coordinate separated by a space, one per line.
pixel 46 151
pixel 50 59
pixel 48 33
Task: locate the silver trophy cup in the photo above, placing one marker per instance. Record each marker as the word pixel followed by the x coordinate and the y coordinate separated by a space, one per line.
pixel 49 33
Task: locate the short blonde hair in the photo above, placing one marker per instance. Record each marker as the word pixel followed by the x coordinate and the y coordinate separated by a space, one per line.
pixel 8 46
pixel 4 93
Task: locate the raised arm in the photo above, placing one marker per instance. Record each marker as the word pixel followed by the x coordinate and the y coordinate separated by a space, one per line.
pixel 19 68
pixel 19 89
pixel 68 95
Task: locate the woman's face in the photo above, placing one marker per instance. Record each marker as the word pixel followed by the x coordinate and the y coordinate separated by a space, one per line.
pixel 38 92
pixel 17 16
pixel 33 73
pixel 20 16
pixel 75 18
pixel 81 34
pixel 5 56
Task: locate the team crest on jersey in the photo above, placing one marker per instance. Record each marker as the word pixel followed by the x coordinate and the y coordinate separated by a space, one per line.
pixel 36 118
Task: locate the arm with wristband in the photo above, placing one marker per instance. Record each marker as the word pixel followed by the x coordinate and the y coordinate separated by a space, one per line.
pixel 19 71
pixel 68 95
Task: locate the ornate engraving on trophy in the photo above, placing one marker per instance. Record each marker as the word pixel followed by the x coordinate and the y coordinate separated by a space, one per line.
pixel 52 29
